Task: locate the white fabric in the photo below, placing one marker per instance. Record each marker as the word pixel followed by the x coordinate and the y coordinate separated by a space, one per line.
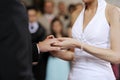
pixel 49 17
pixel 33 27
pixel 96 33
pixel 38 49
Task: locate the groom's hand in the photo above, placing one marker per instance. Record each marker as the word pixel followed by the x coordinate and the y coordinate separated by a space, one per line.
pixel 46 45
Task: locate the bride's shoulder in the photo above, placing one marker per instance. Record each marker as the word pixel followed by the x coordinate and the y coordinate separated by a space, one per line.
pixel 75 14
pixel 112 8
pixel 112 11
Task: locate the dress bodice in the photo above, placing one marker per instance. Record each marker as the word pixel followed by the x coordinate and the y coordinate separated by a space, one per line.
pixel 96 33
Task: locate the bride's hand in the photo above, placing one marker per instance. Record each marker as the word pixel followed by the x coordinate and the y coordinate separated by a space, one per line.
pixel 66 43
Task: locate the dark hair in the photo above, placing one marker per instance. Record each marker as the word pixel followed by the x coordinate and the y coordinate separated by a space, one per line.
pixel 32 8
pixel 71 7
pixel 52 31
pixel 48 1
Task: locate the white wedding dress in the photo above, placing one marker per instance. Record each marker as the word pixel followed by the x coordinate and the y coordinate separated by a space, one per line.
pixel 96 33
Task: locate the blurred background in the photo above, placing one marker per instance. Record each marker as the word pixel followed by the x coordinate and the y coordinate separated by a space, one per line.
pixel 53 17
pixel 30 2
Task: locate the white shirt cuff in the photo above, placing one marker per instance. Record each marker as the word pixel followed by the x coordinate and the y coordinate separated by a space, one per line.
pixel 38 49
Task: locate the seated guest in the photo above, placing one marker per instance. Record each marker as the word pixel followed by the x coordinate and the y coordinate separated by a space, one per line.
pixel 71 8
pixel 57 69
pixel 36 29
pixel 48 15
pixel 63 15
pixel 37 34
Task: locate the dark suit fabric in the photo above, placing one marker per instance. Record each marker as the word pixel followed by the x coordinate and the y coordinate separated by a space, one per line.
pixel 15 42
pixel 39 70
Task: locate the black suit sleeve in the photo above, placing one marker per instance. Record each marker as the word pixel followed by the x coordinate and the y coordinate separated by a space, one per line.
pixel 35 52
pixel 40 35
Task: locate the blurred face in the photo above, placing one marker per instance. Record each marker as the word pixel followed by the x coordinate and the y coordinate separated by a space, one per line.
pixel 32 14
pixel 57 27
pixel 88 1
pixel 49 7
pixel 62 7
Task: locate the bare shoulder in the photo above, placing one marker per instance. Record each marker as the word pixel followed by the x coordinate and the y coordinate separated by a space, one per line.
pixel 75 14
pixel 112 8
pixel 112 12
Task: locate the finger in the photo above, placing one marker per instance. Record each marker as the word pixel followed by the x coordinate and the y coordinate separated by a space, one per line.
pixel 53 41
pixel 52 44
pixel 55 49
pixel 50 37
pixel 61 39
pixel 57 44
pixel 63 48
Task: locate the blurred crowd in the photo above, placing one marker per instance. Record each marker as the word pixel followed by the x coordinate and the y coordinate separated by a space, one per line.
pixel 47 21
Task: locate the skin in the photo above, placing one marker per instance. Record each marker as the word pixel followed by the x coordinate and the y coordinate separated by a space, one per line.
pixel 46 45
pixel 57 28
pixel 69 32
pixel 113 54
pixel 79 6
pixel 32 14
pixel 62 8
pixel 49 7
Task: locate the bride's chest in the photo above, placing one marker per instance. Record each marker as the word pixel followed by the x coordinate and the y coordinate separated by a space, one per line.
pixel 97 31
